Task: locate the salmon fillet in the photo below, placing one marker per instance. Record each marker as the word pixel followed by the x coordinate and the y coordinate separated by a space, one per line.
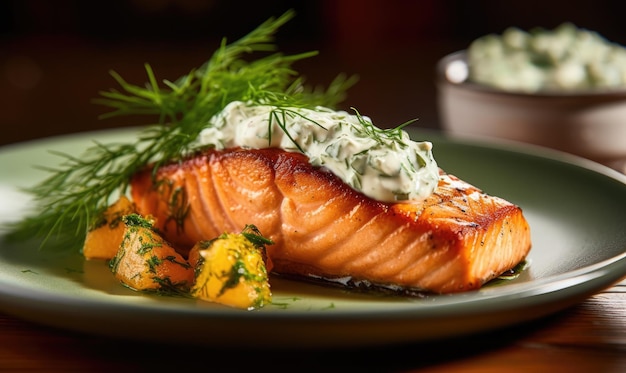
pixel 456 240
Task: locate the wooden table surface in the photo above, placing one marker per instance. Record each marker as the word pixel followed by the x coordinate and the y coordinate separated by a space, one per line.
pixel 588 337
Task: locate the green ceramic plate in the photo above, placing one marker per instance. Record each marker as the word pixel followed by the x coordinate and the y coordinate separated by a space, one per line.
pixel 576 209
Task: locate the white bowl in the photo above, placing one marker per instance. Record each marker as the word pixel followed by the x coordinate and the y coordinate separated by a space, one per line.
pixel 591 124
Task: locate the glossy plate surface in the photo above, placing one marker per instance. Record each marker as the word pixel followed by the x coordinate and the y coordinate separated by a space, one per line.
pixel 576 210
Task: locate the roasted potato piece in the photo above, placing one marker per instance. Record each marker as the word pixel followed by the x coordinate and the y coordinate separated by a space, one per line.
pixel 105 236
pixel 145 261
pixel 231 270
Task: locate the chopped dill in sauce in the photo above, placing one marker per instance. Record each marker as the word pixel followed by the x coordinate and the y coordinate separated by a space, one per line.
pixel 384 164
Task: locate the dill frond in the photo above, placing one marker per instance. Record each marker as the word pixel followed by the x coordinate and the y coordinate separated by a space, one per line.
pixel 76 192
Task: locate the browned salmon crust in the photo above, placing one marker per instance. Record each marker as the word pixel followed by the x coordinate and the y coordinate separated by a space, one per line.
pixel 456 240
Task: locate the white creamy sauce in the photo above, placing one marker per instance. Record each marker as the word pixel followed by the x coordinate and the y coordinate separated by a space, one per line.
pixel 564 59
pixel 385 165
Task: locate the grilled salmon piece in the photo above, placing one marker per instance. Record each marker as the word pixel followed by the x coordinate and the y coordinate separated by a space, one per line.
pixel 456 240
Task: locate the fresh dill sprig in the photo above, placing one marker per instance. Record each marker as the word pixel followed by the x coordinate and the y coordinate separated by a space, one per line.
pixel 76 192
pixel 380 135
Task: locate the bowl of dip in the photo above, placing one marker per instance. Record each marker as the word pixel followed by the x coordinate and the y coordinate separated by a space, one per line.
pixel 564 89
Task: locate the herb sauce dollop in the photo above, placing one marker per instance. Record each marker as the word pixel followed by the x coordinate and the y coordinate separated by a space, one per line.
pixel 386 165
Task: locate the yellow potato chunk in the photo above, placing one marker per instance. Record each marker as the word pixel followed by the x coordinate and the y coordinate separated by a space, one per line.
pixel 231 270
pixel 145 261
pixel 105 237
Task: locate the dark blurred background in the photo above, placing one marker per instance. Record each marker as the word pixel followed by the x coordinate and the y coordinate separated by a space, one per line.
pixel 55 56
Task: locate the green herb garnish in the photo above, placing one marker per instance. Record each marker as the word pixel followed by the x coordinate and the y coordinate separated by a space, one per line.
pixel 81 188
pixel 252 234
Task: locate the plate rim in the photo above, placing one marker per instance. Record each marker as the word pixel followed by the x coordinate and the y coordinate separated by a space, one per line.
pixel 574 285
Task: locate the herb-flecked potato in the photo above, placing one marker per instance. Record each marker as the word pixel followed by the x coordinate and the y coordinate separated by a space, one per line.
pixel 145 261
pixel 104 238
pixel 232 270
